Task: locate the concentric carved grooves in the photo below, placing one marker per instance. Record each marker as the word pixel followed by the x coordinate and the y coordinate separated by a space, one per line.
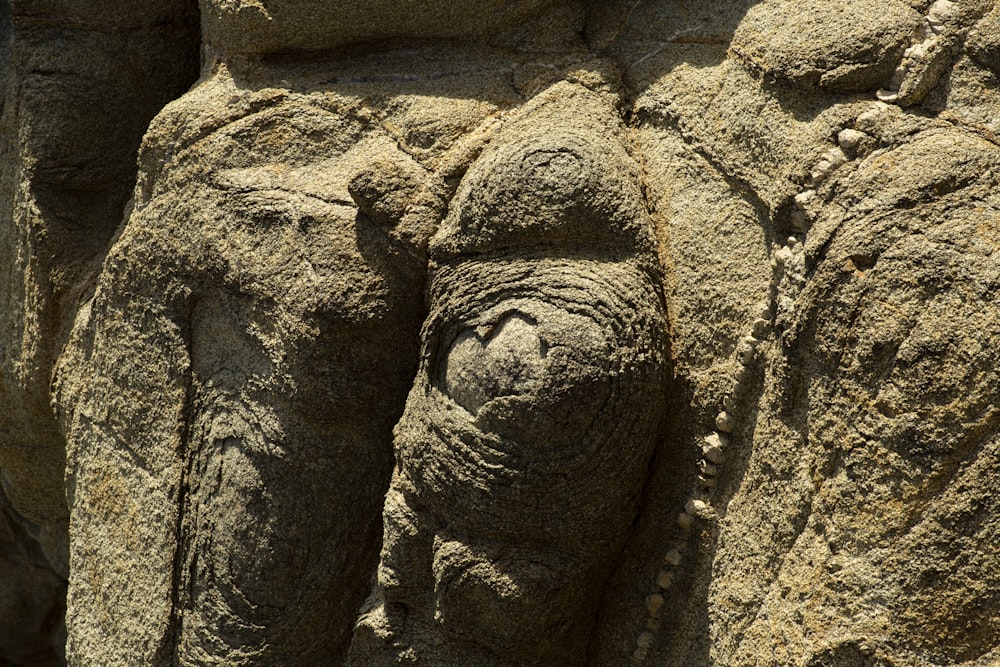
pixel 532 420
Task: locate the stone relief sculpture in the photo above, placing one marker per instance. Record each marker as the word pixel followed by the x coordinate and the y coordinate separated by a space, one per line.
pixel 526 436
pixel 541 333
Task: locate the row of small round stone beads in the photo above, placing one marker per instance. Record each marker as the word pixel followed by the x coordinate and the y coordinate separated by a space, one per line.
pixel 699 504
pixel 788 263
pixel 787 280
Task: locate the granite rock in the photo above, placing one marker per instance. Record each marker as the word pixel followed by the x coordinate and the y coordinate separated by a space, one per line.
pixel 545 332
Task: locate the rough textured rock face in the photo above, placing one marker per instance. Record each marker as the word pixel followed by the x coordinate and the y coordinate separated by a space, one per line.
pixel 542 333
pixel 82 81
pixel 527 434
pixel 277 26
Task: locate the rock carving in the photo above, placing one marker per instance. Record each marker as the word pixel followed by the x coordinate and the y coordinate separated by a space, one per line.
pixel 545 332
pixel 518 471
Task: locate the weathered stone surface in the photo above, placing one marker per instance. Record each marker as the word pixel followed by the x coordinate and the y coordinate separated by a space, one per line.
pixel 984 43
pixel 653 333
pixel 79 91
pixel 286 316
pixel 848 45
pixel 32 595
pixel 518 471
pixel 877 415
pixel 278 26
pixel 74 112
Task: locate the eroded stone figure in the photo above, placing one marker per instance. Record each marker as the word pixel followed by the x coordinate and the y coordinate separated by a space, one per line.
pixel 544 333
pixel 522 451
pixel 269 357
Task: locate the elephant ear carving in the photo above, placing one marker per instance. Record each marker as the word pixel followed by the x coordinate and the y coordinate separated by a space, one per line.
pixel 533 417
